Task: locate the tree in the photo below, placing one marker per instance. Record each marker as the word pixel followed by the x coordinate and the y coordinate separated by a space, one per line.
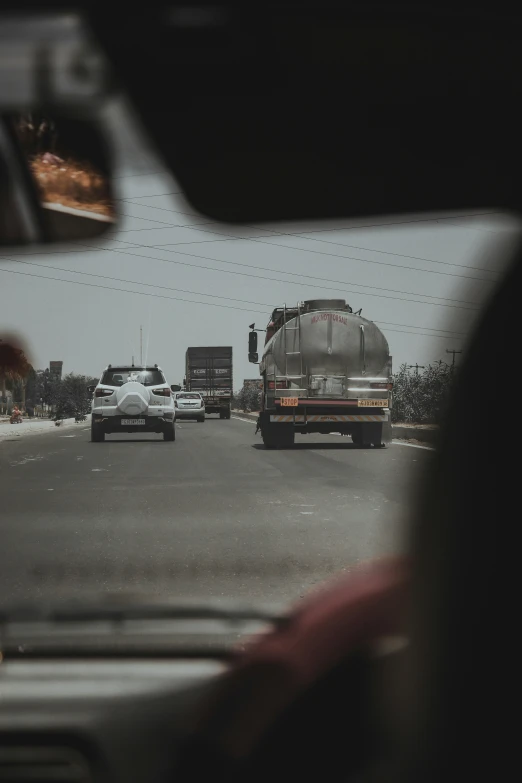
pixel 248 399
pixel 14 367
pixel 422 398
pixel 70 396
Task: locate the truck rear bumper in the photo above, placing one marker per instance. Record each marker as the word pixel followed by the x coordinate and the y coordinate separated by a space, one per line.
pixel 314 418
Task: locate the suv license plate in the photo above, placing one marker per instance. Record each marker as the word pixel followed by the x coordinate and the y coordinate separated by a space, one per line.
pixel 127 422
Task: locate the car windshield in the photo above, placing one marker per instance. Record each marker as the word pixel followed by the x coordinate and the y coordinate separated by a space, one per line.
pixel 119 376
pixel 280 480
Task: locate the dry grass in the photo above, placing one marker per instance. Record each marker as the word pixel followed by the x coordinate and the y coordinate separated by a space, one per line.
pixel 72 184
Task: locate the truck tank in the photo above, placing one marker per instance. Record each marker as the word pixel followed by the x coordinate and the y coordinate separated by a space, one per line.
pixel 323 346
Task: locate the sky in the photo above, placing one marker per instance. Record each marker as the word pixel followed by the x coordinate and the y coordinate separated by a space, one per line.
pixel 189 281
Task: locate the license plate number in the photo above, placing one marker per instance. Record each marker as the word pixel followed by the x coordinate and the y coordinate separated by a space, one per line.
pixel 372 403
pixel 289 402
pixel 128 422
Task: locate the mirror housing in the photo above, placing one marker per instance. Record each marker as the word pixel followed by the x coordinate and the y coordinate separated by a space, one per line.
pixel 253 358
pixel 55 178
pixel 91 389
pixel 252 342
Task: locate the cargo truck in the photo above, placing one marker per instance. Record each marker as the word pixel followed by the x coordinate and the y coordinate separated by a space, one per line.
pixel 208 370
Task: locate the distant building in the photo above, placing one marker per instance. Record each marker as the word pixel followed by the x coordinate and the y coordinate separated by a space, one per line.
pixel 55 369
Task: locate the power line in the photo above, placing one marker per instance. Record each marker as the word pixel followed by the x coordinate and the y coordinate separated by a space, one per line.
pixel 299 234
pixel 92 248
pixel 308 250
pixel 144 174
pixel 199 293
pixel 127 291
pixel 294 274
pixel 181 299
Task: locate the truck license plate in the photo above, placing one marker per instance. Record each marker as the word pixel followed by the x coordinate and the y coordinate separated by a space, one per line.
pixel 126 422
pixel 289 402
pixel 372 403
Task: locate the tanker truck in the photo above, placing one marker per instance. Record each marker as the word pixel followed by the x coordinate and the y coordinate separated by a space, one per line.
pixel 324 369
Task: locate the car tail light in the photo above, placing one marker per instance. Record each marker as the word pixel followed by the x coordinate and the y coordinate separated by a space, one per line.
pixel 161 392
pixel 103 392
pixel 280 384
pixel 387 386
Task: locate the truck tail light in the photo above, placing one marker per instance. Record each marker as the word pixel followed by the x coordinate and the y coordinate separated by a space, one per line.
pixel 103 392
pixel 161 392
pixel 280 384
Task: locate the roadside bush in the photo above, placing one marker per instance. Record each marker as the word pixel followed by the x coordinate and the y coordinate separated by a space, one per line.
pixel 421 398
pixel 247 399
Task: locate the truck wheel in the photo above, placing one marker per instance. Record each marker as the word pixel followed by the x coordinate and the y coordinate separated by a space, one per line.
pixel 367 435
pixel 278 436
pixel 169 433
pixel 97 434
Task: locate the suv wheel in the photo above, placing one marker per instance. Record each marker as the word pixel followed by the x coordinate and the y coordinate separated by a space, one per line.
pixel 201 420
pixel 169 433
pixel 97 434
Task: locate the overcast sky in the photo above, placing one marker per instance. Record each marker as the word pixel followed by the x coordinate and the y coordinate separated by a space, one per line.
pixel 205 282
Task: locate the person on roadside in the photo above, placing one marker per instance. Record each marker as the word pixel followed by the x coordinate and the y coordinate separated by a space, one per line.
pixel 16 415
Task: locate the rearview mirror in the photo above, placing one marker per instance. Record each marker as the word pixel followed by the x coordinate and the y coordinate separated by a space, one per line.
pixel 252 342
pixel 175 387
pixel 253 357
pixel 55 179
pixel 91 389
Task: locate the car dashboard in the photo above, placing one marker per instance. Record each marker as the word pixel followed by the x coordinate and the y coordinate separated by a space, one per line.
pixel 97 720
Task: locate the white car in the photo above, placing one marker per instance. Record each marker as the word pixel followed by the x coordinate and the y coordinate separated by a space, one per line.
pixel 132 399
pixel 189 405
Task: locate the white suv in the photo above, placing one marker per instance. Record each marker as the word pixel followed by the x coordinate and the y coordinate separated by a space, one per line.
pixel 132 399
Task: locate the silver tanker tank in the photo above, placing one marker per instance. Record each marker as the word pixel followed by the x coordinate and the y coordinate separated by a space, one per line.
pixel 329 346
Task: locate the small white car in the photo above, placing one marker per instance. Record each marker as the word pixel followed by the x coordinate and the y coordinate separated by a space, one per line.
pixel 189 405
pixel 132 399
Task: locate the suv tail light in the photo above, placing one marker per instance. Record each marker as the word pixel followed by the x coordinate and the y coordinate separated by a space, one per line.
pixel 103 392
pixel 280 384
pixel 161 392
pixel 388 386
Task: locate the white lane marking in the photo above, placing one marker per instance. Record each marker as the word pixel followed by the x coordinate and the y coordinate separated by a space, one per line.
pixel 248 421
pixel 67 436
pixel 412 445
pixel 98 470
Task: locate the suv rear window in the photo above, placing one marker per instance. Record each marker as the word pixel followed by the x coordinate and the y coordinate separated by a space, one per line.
pixel 189 396
pixel 117 376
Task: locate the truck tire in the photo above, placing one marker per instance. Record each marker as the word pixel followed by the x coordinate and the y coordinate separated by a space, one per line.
pixel 367 435
pixel 97 434
pixel 169 433
pixel 278 436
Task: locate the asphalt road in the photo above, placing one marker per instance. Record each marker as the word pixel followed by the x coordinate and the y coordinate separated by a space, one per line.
pixel 213 514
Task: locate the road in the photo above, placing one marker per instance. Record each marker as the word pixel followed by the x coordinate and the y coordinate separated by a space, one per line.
pixel 212 515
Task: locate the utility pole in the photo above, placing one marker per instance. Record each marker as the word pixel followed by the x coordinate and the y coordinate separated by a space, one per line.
pixel 141 346
pixel 416 367
pixel 453 352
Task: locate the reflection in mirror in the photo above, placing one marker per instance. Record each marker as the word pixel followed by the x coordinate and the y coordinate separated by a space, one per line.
pixel 56 174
